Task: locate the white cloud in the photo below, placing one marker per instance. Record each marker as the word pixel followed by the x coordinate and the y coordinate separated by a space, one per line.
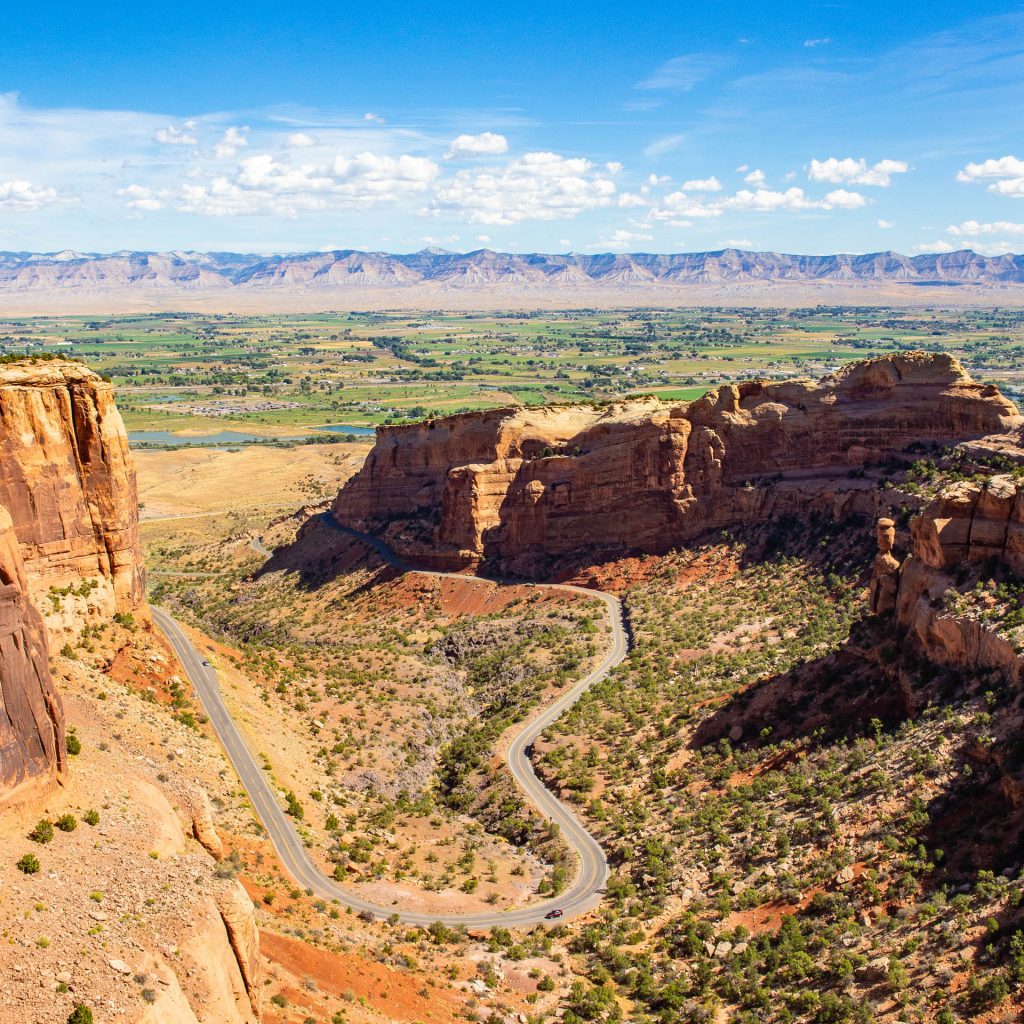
pixel 177 135
pixel 1008 170
pixel 666 144
pixel 711 184
pixel 265 185
pixel 536 186
pixel 756 177
pixel 300 140
pixel 738 243
pixel 973 227
pixel 885 223
pixel 812 43
pixel 373 118
pixel 856 172
pixel 621 240
pixel 485 144
pixel 628 200
pixel 21 195
pixel 230 142
pixel 483 239
pixel 138 197
pixel 679 204
pixel 680 74
pixel 984 248
pixel 1001 167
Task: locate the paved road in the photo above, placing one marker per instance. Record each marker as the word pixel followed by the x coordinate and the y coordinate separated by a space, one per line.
pixel 592 867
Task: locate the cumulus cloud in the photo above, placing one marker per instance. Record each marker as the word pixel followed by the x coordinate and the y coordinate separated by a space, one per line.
pixel 680 74
pixel 677 205
pixel 856 172
pixel 885 223
pixel 300 140
pixel 756 177
pixel 621 240
pixel 485 144
pixel 711 184
pixel 265 185
pixel 21 195
pixel 535 186
pixel 373 118
pixel 138 197
pixel 177 135
pixel 1007 170
pixel 230 142
pixel 972 228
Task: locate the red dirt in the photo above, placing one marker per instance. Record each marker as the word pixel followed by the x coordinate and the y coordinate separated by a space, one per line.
pixel 395 994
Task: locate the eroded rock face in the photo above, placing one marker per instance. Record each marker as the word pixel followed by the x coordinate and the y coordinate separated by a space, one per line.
pixel 33 754
pixel 523 488
pixel 68 481
pixel 968 524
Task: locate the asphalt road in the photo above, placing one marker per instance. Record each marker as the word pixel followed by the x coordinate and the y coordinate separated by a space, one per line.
pixel 592 866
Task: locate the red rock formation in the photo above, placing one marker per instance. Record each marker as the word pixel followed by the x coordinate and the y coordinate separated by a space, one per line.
pixel 67 479
pixel 522 488
pixel 68 514
pixel 32 749
pixel 968 524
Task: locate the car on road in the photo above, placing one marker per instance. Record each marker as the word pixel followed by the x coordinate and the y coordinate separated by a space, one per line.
pixel 551 915
pixel 206 662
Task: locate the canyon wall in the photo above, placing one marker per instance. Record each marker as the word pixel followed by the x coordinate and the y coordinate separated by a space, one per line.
pixel 970 529
pixel 68 481
pixel 524 488
pixel 68 521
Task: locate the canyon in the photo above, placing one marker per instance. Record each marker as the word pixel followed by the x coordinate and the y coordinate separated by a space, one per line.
pixel 522 490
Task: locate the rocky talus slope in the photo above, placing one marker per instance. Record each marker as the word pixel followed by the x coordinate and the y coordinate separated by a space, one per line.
pixel 524 488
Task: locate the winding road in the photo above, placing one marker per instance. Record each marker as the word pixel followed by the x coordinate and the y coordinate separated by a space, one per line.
pixel 592 866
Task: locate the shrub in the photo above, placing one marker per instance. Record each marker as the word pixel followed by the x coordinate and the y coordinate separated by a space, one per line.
pixel 74 748
pixel 29 864
pixel 81 1014
pixel 66 823
pixel 42 833
pixel 91 817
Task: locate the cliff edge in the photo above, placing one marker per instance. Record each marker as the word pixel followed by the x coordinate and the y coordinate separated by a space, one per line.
pixel 525 488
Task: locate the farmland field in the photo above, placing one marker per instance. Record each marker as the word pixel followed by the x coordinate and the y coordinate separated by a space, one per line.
pixel 283 377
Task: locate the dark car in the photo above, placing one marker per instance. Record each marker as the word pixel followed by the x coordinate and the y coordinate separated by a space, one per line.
pixel 552 914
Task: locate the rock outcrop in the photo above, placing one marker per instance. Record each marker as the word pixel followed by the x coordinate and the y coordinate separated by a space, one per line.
pixel 970 527
pixel 68 482
pixel 69 548
pixel 33 754
pixel 524 488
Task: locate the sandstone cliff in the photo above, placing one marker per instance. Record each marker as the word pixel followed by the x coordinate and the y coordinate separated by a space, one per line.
pixel 32 747
pixel 524 488
pixel 970 530
pixel 68 482
pixel 68 522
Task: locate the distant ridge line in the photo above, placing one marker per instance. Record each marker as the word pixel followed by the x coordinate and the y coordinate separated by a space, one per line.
pixel 69 270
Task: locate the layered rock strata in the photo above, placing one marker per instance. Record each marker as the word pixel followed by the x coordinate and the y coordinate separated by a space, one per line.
pixel 523 488
pixel 68 481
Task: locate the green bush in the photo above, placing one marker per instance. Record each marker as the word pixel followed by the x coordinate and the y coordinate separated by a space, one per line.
pixel 66 823
pixel 91 817
pixel 74 743
pixel 29 864
pixel 81 1014
pixel 42 833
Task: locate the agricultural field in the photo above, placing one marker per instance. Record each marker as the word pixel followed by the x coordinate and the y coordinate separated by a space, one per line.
pixel 281 378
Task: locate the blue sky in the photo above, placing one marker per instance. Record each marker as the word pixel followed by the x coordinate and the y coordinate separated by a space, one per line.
pixel 656 127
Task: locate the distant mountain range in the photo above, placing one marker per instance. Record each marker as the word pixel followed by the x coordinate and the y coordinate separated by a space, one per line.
pixel 22 272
